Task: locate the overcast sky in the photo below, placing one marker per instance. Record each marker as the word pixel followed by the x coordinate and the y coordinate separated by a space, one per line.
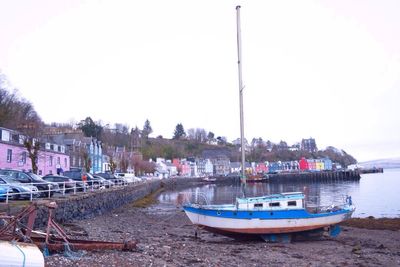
pixel 323 69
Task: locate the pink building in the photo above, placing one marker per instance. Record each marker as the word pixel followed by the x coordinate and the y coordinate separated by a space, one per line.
pixel 13 154
pixel 185 169
pixel 312 166
pixel 182 166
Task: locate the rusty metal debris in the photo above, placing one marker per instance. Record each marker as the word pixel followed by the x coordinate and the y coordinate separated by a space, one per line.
pixel 55 239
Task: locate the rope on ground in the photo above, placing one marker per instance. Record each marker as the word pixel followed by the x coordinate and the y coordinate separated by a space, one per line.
pixel 23 254
pixel 74 255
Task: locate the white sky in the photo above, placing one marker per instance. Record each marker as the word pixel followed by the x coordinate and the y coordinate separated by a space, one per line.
pixel 323 69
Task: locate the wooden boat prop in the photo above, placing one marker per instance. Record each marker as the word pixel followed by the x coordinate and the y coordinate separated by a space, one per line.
pixel 272 214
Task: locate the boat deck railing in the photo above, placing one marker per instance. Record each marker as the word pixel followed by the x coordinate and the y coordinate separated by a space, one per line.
pixel 198 198
pixel 312 204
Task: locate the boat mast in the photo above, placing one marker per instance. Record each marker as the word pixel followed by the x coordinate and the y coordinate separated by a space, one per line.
pixel 239 50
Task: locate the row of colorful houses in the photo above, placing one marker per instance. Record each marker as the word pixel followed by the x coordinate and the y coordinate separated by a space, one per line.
pixel 205 167
pixel 292 166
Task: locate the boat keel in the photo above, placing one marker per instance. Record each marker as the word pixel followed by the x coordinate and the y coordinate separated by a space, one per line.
pixel 277 238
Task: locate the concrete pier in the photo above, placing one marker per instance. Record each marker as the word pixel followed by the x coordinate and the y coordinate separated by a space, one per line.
pixel 347 175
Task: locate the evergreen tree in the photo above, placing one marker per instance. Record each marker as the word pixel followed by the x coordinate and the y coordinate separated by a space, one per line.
pixel 90 128
pixel 147 130
pixel 210 136
pixel 179 131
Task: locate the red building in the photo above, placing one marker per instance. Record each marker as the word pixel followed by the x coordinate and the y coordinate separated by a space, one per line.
pixel 303 164
pixel 261 168
pixel 176 163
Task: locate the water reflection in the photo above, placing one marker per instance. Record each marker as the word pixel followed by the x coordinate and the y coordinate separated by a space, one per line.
pixel 374 195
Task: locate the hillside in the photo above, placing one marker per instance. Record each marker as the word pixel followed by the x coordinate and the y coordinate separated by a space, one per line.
pixel 381 163
pixel 170 148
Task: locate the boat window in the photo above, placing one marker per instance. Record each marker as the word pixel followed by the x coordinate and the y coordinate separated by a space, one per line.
pixel 258 205
pixel 274 204
pixel 292 203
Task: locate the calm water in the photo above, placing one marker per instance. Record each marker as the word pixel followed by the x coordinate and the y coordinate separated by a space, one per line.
pixel 376 194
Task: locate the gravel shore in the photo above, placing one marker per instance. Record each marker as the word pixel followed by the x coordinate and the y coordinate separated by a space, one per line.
pixel 166 237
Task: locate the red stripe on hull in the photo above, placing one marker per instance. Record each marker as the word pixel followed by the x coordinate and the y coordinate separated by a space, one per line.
pixel 260 231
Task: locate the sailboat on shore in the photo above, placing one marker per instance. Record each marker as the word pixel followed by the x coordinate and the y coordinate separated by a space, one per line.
pixel 268 216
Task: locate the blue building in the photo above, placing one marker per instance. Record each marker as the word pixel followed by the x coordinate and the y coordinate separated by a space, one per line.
pixel 274 167
pixel 95 154
pixel 327 164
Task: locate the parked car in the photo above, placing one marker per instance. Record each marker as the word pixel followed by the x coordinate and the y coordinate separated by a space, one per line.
pixel 106 175
pixel 21 190
pixel 44 187
pixel 77 176
pixel 94 182
pixel 104 181
pixel 127 177
pixel 64 182
pixel 4 190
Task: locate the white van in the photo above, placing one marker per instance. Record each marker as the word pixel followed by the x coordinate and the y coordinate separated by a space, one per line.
pixel 127 177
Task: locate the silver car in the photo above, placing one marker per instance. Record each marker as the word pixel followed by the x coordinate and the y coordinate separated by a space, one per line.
pixel 19 190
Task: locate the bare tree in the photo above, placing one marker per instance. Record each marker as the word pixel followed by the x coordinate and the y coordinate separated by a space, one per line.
pixel 87 161
pixel 33 146
pixel 198 134
pixel 124 163
pixel 113 165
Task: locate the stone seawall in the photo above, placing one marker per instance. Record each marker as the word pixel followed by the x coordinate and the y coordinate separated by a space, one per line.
pixel 83 206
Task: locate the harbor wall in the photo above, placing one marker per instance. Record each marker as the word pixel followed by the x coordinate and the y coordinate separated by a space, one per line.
pixel 347 175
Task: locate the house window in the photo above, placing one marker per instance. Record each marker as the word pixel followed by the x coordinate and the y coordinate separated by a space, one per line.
pixel 58 160
pixel 51 161
pixel 23 157
pixel 15 138
pixel 65 162
pixel 9 155
pixel 274 204
pixel 292 203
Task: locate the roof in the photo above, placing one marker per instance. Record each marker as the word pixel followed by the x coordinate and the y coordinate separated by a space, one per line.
pixel 276 197
pixel 216 153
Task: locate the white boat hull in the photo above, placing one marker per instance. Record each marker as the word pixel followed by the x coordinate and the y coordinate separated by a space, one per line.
pixel 263 226
pixel 20 254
